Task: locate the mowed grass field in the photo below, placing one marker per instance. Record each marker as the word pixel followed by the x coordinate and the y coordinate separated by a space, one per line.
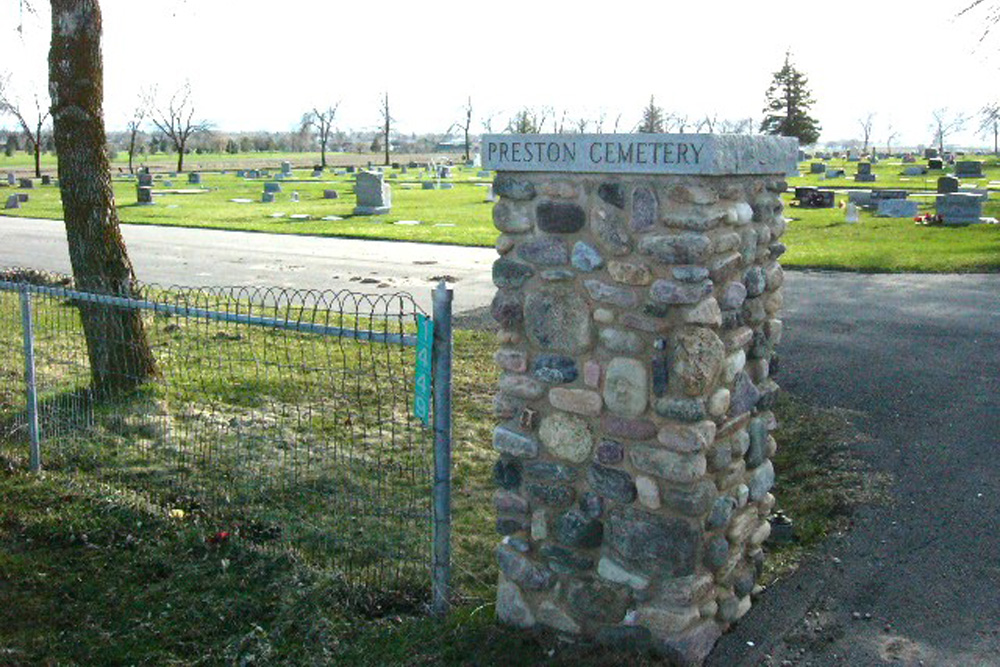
pixel 462 215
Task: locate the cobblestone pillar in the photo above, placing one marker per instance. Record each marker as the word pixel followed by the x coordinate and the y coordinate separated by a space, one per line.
pixel 638 294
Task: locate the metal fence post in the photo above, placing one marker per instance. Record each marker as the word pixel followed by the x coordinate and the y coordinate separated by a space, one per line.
pixel 441 370
pixel 29 379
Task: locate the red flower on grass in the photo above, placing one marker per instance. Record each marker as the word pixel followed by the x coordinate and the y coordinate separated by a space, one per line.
pixel 220 537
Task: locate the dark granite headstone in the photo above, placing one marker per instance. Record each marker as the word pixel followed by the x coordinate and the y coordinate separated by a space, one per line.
pixel 947 184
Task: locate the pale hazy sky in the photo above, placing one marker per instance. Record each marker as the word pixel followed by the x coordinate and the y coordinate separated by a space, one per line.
pixel 260 64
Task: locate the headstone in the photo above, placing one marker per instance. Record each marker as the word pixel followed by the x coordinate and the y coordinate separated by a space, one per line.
pixel 444 172
pixel 330 194
pixel 935 163
pixel 864 173
pixel 851 213
pixel 272 186
pixel 915 171
pixel 896 208
pixel 930 153
pixel 22 197
pixel 317 173
pixel 834 173
pixel 46 179
pixel 286 168
pixel 374 196
pixel 818 199
pixel 145 179
pixel 168 184
pixel 295 196
pixel 860 197
pixel 817 168
pixel 427 185
pixel 878 195
pixel 490 196
pixel 982 193
pixel 947 184
pixel 26 183
pixel 194 178
pixel 403 169
pixel 446 186
pixel 484 174
pixel 267 197
pixel 350 170
pixel 395 165
pixel 13 202
pixel 958 208
pixel 969 169
pixel 144 194
pixel 909 159
pixel 803 191
pixel 11 179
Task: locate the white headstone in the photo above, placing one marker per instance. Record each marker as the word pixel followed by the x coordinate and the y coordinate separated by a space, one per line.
pixel 852 213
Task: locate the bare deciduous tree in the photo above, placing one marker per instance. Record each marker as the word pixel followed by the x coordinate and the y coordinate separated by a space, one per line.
pixel 989 123
pixel 891 134
pixel 866 122
pixel 945 123
pixel 177 122
pixel 143 106
pixel 465 124
pixel 387 121
pixel 31 123
pixel 322 122
pixel 709 123
pixel 119 354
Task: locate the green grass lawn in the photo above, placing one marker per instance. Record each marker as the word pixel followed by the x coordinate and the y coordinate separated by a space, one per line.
pixel 462 216
pixel 93 574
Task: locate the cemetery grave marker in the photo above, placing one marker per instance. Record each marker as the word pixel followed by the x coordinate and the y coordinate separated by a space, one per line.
pixel 959 208
pixel 374 196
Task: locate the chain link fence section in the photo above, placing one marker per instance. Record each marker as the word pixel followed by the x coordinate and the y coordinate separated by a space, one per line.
pixel 280 417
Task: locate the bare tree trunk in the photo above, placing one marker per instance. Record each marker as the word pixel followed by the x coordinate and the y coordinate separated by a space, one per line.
pixel 388 119
pixel 120 357
pixel 38 151
pixel 180 158
pixel 131 151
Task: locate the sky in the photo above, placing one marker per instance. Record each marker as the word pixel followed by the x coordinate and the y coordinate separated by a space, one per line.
pixel 259 65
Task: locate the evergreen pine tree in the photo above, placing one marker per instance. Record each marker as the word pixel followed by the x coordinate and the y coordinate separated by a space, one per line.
pixel 788 99
pixel 652 118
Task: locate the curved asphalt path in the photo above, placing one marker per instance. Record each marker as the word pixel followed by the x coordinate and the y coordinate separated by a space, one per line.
pixel 916 356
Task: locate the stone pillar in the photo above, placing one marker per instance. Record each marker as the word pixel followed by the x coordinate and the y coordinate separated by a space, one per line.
pixel 638 295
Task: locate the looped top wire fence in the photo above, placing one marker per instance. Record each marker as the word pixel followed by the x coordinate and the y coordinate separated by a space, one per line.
pixel 282 417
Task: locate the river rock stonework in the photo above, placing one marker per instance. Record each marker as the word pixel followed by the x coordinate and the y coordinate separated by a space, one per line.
pixel 634 441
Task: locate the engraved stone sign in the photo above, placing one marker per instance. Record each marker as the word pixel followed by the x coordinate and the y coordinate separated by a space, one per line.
pixel 641 153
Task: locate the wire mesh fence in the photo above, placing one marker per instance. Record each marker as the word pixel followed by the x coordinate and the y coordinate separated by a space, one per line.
pixel 278 417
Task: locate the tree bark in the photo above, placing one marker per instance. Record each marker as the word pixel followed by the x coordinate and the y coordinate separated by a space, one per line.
pixel 119 354
pixel 38 151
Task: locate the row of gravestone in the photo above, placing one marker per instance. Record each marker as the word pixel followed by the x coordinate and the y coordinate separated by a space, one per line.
pixel 963 169
pixel 954 208
pixel 27 183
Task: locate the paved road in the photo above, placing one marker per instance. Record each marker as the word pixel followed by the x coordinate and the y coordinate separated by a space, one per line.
pixel 917 356
pixel 201 257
